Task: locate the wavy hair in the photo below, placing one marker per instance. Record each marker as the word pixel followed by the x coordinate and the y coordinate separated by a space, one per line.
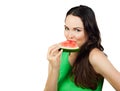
pixel 83 72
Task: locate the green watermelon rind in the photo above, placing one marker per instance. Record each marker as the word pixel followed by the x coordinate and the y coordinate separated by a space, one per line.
pixel 70 49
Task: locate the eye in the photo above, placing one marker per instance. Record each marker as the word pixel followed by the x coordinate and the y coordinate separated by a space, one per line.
pixel 77 30
pixel 66 28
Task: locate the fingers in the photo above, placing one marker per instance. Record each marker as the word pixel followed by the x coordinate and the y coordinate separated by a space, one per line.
pixel 53 56
pixel 59 54
pixel 51 48
pixel 53 51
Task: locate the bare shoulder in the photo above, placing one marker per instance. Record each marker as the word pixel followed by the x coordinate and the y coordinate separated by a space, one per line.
pixel 95 54
pixel 103 66
pixel 97 58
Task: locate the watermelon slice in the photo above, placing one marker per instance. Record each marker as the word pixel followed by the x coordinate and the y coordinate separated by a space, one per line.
pixel 69 45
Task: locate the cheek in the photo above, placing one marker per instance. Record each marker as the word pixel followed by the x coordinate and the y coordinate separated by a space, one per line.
pixel 66 35
pixel 79 36
pixel 81 39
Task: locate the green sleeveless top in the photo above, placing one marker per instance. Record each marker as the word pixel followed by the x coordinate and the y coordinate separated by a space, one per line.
pixel 64 81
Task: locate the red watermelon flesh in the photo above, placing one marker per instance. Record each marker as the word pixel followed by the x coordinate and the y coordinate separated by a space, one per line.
pixel 69 45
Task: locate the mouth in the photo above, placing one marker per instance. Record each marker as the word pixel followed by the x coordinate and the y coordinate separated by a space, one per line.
pixel 72 40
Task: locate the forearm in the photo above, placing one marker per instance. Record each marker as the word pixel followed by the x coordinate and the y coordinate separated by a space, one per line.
pixel 51 84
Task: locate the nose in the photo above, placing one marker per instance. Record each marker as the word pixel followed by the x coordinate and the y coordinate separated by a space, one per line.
pixel 71 35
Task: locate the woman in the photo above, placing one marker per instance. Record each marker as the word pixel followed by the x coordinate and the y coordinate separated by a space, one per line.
pixel 86 69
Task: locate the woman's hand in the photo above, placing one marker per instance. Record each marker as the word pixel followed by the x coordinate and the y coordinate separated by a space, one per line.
pixel 53 56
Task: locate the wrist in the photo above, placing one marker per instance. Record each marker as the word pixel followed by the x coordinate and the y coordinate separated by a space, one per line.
pixel 55 70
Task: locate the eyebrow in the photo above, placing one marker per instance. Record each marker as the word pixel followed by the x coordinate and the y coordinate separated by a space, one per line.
pixel 74 27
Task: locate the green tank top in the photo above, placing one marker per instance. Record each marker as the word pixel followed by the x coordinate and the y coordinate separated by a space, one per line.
pixel 64 81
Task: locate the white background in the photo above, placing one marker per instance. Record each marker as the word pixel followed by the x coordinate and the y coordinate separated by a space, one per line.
pixel 29 27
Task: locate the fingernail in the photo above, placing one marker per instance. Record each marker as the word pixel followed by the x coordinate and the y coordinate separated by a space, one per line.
pixel 59 49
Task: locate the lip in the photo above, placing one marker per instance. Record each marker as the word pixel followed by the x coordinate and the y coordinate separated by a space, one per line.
pixel 71 40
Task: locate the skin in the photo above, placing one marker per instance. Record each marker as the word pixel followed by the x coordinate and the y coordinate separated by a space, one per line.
pixel 53 57
pixel 102 65
pixel 74 30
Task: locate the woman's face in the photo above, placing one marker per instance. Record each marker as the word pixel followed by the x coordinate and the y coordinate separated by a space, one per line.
pixel 74 30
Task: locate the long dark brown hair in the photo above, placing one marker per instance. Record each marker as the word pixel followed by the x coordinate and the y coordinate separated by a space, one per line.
pixel 83 72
